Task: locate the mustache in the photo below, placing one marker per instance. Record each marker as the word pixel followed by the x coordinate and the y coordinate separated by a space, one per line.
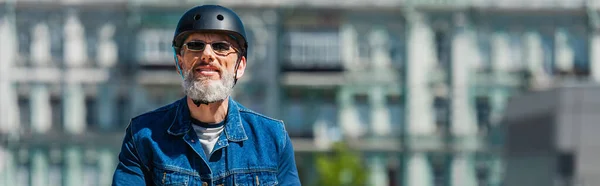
pixel 211 64
pixel 197 63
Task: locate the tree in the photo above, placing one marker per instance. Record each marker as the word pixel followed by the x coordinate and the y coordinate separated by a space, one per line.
pixel 341 167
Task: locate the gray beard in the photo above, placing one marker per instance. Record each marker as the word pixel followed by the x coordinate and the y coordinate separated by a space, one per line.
pixel 208 91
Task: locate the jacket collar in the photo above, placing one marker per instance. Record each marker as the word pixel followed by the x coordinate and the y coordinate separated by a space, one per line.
pixel 234 130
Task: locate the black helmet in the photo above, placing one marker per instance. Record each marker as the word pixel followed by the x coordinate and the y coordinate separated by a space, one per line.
pixel 210 18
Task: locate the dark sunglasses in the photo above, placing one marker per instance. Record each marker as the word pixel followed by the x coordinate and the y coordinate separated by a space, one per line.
pixel 219 47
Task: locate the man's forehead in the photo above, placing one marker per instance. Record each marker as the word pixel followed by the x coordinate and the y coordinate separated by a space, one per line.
pixel 208 37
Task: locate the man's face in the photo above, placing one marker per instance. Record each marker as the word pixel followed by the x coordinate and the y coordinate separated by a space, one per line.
pixel 208 62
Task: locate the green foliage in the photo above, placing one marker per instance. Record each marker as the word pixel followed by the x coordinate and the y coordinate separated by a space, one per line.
pixel 341 167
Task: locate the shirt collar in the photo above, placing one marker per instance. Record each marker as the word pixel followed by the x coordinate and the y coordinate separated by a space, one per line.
pixel 234 130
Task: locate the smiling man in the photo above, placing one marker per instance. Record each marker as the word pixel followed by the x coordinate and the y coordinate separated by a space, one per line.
pixel 206 138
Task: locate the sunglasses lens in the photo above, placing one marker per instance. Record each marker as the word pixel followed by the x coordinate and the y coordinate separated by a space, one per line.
pixel 221 47
pixel 196 45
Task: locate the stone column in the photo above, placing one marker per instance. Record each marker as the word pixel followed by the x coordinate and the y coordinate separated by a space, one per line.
pixel 107 58
pixel 39 168
pixel 463 170
pixel 90 168
pixel 464 54
pixel 564 54
pixel 7 167
pixel 496 175
pixel 421 58
pixel 75 110
pixel 41 109
pixel 501 63
pixel 73 166
pixel 534 56
pixel 348 118
pixel 75 46
pixel 106 163
pixel 348 45
pixel 418 170
pixel 378 170
pixel 321 128
pixel 9 108
pixel 270 57
pixel 348 113
pixel 595 55
pixel 55 169
pixel 75 54
pixel 380 118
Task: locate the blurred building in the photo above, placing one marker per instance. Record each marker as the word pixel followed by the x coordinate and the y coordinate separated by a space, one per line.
pixel 417 86
pixel 552 137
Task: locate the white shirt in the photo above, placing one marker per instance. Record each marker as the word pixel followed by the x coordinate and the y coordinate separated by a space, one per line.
pixel 208 135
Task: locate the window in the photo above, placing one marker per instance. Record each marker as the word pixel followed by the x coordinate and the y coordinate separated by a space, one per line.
pixel 123 110
pixel 324 113
pixel 566 165
pixel 316 50
pixel 361 102
pixel 396 110
pixel 516 52
pixel 154 46
pixel 24 111
pixel 24 40
pixel 482 172
pixel 483 43
pixel 91 112
pixel 579 43
pixel 483 109
pixel 442 44
pixel 57 112
pixel 442 111
pixel 327 107
pixel 440 164
pixel 398 52
pixel 295 113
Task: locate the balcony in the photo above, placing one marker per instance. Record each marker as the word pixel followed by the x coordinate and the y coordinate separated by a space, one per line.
pixel 312 51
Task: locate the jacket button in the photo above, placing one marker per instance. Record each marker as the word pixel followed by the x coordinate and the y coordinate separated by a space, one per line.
pixel 204 184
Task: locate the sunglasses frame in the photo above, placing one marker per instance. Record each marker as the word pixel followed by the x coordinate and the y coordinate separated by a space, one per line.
pixel 211 46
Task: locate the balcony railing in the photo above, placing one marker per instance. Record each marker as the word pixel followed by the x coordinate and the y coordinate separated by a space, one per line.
pixel 317 50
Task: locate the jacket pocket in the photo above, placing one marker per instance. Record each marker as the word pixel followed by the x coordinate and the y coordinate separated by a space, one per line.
pixel 263 178
pixel 169 177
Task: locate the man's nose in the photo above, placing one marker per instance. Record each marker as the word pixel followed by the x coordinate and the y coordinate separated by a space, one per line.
pixel 207 54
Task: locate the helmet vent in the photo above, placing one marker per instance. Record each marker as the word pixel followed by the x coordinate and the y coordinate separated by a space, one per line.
pixel 220 17
pixel 197 16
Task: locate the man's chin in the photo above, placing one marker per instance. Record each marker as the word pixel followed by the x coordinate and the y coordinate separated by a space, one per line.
pixel 205 81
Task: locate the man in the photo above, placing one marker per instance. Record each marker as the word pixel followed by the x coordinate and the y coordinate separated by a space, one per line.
pixel 206 138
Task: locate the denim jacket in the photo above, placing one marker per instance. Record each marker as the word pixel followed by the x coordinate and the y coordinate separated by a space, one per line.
pixel 161 148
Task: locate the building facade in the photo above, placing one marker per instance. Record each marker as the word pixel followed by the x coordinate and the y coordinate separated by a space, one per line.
pixel 551 138
pixel 418 87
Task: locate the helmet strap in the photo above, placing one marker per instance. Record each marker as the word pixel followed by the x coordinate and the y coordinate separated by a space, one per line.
pixel 177 63
pixel 237 64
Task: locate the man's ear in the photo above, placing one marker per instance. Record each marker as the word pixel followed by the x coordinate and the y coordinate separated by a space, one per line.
pixel 178 66
pixel 241 68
